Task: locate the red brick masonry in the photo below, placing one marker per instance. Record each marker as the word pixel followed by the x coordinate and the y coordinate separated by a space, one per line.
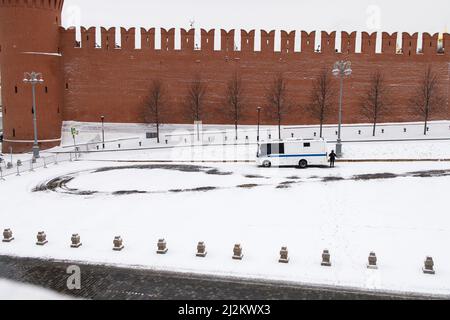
pixel 83 83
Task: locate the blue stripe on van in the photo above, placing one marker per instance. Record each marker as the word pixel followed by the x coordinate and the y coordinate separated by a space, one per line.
pixel 297 155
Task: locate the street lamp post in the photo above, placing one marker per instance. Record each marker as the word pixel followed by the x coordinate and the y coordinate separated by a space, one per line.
pixel 259 121
pixel 103 131
pixel 34 78
pixel 341 69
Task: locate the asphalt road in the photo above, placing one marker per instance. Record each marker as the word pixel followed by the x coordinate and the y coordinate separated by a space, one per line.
pixel 113 283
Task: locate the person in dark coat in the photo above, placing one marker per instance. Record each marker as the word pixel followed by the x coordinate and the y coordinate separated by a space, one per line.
pixel 332 156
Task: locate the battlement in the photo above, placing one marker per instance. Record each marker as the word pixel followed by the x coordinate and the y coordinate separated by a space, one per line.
pixel 55 5
pixel 404 44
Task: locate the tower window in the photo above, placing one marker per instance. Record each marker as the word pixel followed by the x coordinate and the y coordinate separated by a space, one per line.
pixel 14 132
pixel 46 89
pixel 67 86
pixel 16 90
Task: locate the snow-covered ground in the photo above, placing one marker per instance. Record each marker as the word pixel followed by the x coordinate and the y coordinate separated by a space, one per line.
pixel 403 219
pixel 180 134
pixel 397 209
pixel 10 290
pixel 402 150
pixel 180 143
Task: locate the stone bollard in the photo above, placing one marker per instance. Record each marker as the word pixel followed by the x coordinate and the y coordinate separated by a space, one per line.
pixel 372 261
pixel 237 252
pixel 76 241
pixel 162 247
pixel 118 244
pixel 284 255
pixel 9 165
pixel 429 266
pixel 41 238
pixel 326 258
pixel 7 235
pixel 201 250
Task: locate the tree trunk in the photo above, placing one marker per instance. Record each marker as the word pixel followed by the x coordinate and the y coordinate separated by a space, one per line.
pixel 279 129
pixel 321 129
pixel 374 126
pixel 236 129
pixel 425 126
pixel 157 132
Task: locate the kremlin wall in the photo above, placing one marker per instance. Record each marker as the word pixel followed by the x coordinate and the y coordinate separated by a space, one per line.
pixel 87 79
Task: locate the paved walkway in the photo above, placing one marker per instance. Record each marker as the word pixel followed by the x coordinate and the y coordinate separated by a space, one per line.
pixel 105 282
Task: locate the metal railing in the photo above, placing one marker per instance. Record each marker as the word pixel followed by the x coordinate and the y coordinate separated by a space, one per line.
pixel 18 167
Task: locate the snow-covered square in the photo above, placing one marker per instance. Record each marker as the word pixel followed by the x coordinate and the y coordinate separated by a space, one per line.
pixel 397 209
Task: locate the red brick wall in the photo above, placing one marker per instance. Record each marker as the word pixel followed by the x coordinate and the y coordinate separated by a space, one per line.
pixel 29 41
pixel 114 82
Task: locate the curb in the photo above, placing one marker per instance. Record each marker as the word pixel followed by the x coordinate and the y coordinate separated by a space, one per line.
pixel 252 161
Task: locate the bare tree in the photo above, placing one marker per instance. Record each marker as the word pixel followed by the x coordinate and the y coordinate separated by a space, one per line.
pixel 428 98
pixel 323 95
pixel 235 99
pixel 195 96
pixel 277 100
pixel 375 102
pixel 155 103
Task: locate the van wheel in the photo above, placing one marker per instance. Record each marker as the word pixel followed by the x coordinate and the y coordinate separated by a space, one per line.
pixel 303 164
pixel 267 164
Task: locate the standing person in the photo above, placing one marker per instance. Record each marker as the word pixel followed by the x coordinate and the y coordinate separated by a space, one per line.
pixel 332 158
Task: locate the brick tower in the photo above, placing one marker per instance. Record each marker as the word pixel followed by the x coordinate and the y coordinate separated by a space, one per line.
pixel 29 41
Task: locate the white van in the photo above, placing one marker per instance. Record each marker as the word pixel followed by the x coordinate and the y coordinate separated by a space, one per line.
pixel 300 153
